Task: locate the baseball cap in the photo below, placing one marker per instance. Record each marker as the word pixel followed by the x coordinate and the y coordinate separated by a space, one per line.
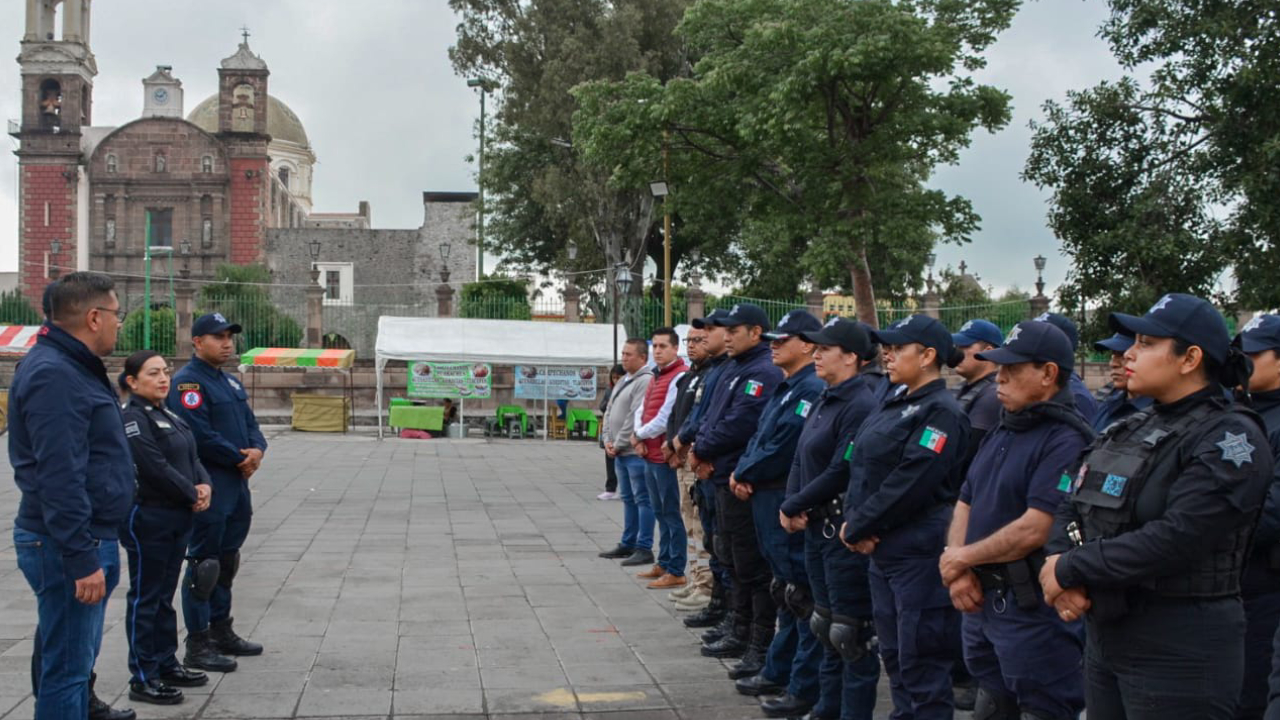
pixel 847 335
pixel 745 314
pixel 703 323
pixel 793 323
pixel 1118 343
pixel 1033 341
pixel 917 329
pixel 1185 317
pixel 212 324
pixel 978 331
pixel 1259 334
pixel 1065 324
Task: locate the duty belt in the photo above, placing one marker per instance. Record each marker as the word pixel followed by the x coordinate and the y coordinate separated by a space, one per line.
pixel 831 513
pixel 1021 577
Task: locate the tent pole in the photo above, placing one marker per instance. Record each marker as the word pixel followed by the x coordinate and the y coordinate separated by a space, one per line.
pixel 377 369
pixel 546 417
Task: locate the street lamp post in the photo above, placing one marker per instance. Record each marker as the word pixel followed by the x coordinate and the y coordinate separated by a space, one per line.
pixel 51 259
pixel 1040 263
pixel 1039 304
pixel 483 85
pixel 662 190
pixel 621 284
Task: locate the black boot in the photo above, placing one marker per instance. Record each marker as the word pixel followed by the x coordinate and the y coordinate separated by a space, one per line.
pixel 155 692
pixel 710 615
pixel 758 685
pixel 182 677
pixel 752 661
pixel 99 710
pixel 965 693
pixel 994 706
pixel 228 642
pixel 722 628
pixel 201 654
pixel 785 706
pixel 732 645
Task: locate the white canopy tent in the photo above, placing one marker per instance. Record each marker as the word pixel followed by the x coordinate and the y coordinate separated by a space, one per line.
pixel 505 342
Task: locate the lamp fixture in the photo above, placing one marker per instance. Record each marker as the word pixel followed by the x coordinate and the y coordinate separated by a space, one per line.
pixel 659 188
pixel 314 248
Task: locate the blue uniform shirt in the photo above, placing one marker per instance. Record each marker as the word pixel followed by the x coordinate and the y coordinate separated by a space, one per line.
pixel 746 383
pixel 68 449
pixel 1017 469
pixel 1268 532
pixel 820 471
pixel 1118 406
pixel 1085 403
pixel 214 404
pixel 769 453
pixel 707 382
pixel 906 460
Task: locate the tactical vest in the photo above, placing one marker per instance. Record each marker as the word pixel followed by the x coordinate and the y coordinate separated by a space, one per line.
pixel 1139 455
pixel 969 394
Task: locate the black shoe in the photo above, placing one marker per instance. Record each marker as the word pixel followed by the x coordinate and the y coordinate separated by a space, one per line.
pixel 757 685
pixel 99 710
pixel 785 706
pixel 620 551
pixel 722 628
pixel 752 661
pixel 966 694
pixel 732 645
pixel 154 692
pixel 709 616
pixel 201 654
pixel 638 557
pixel 227 642
pixel 182 677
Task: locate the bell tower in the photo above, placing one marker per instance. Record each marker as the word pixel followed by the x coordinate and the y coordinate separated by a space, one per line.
pixel 242 126
pixel 57 69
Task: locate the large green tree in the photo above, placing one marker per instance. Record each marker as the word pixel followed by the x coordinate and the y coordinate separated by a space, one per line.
pixel 1168 177
pixel 821 121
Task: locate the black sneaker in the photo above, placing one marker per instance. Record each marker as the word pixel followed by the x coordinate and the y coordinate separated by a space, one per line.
pixel 154 692
pixel 638 557
pixel 618 552
pixel 201 654
pixel 227 642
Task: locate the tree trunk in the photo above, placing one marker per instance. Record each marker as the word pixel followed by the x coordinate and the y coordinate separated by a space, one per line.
pixel 864 295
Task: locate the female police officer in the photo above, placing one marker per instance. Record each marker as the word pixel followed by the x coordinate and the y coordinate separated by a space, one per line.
pixel 1153 538
pixel 819 476
pixel 904 474
pixel 171 485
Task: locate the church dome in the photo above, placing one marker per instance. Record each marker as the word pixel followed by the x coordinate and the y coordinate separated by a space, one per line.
pixel 282 123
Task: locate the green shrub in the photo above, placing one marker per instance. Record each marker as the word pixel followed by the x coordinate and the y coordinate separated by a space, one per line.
pixel 15 310
pixel 163 332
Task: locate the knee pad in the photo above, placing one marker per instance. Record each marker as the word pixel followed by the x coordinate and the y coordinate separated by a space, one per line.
pixel 851 637
pixel 820 626
pixel 799 601
pixel 203 574
pixel 995 706
pixel 778 591
pixel 229 566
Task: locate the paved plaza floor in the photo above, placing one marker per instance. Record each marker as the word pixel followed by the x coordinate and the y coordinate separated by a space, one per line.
pixel 412 578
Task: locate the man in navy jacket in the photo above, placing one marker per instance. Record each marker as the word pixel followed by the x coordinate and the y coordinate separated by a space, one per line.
pixel 72 464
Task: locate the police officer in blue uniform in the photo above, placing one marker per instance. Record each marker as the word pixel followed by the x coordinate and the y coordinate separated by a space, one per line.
pixel 748 381
pixel 903 479
pixel 214 405
pixel 172 486
pixel 1152 542
pixel 838 581
pixel 1260 340
pixel 1085 403
pixel 1119 403
pixel 790 667
pixel 1026 659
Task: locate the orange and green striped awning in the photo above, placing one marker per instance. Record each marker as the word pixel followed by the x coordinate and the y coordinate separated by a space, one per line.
pixel 299 357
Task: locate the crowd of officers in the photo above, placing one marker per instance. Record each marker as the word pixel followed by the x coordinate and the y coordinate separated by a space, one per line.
pixel 1016 535
pixel 159 467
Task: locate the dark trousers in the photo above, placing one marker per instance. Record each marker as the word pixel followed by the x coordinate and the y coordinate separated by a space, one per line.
pixel 840 584
pixel 610 475
pixel 739 549
pixel 217 532
pixel 1171 660
pixel 155 540
pixel 1261 590
pixel 707 517
pixel 915 621
pixel 795 653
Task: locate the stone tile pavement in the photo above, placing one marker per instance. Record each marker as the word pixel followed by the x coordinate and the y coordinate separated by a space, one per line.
pixel 419 578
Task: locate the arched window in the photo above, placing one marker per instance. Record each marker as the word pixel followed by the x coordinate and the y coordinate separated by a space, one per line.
pixel 206 164
pixel 112 164
pixel 284 177
pixel 50 103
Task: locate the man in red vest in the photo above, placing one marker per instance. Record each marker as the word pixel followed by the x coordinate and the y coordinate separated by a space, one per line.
pixel 660 478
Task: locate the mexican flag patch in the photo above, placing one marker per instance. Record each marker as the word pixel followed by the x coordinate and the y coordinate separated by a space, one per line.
pixel 848 452
pixel 1064 483
pixel 753 388
pixel 934 439
pixel 802 409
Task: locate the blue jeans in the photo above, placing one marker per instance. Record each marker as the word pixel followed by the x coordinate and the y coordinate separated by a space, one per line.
pixel 664 494
pixel 69 632
pixel 795 653
pixel 637 513
pixel 217 533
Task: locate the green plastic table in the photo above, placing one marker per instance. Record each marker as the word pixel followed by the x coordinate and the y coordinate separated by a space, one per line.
pixel 417 418
pixel 583 415
pixel 505 410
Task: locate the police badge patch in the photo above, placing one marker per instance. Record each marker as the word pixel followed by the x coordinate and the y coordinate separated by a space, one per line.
pixel 1236 449
pixel 131 429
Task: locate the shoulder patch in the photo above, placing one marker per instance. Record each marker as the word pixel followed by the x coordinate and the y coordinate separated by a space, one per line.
pixel 803 408
pixel 183 387
pixel 192 399
pixel 1064 483
pixel 1236 448
pixel 753 388
pixel 933 439
pixel 131 429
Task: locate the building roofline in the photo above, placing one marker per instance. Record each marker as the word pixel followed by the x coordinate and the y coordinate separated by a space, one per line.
pixel 449 197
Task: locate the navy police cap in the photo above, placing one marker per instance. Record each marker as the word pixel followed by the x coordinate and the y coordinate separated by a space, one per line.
pixel 848 335
pixel 1065 324
pixel 793 323
pixel 917 329
pixel 1033 341
pixel 1184 317
pixel 978 331
pixel 745 314
pixel 1118 343
pixel 1260 334
pixel 705 322
pixel 213 324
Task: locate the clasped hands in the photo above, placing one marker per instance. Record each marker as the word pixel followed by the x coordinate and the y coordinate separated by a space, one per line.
pixel 252 461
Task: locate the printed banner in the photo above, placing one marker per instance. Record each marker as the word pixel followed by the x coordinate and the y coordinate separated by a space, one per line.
pixel 555 382
pixel 450 380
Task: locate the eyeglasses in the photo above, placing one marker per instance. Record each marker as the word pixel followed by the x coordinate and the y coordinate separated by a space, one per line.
pixel 120 313
pixel 695 341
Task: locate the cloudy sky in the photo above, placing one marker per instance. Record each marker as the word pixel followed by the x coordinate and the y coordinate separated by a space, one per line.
pixel 388 118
